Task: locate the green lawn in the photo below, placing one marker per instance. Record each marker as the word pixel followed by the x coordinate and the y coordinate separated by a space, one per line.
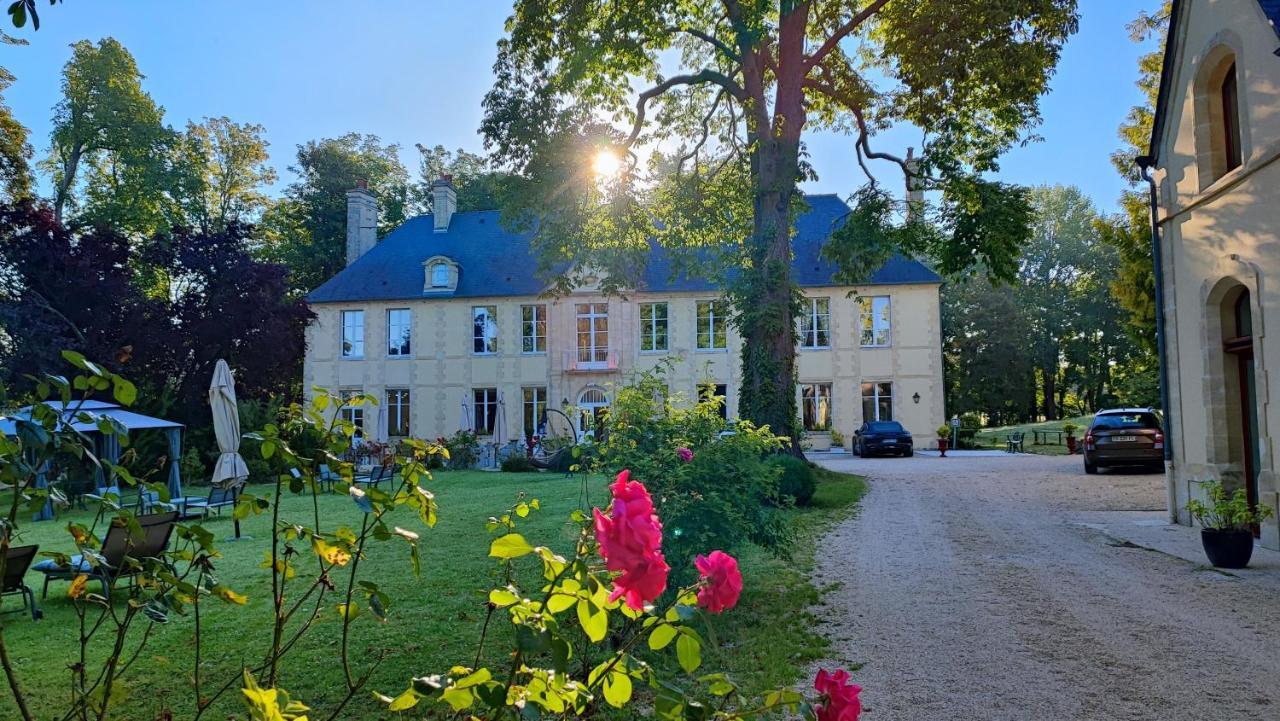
pixel 995 437
pixel 435 619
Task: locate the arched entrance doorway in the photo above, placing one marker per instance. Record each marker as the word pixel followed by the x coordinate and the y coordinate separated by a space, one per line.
pixel 1241 388
pixel 592 403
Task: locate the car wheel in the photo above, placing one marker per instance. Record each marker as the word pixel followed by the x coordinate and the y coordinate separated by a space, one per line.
pixel 1090 468
pixel 857 450
pixel 909 453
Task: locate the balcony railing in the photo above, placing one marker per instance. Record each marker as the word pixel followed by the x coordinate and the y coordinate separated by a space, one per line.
pixel 590 360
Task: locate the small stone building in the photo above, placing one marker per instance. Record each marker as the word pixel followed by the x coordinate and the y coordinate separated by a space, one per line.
pixel 1214 152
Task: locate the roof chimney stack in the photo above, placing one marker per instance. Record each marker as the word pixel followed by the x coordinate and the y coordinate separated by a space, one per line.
pixel 444 202
pixel 362 221
pixel 915 188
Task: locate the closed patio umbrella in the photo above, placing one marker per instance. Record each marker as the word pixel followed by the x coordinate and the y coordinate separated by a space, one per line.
pixel 230 470
pixel 465 424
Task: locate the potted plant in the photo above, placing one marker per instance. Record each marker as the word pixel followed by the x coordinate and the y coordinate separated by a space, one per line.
pixel 1225 520
pixel 1070 430
pixel 837 439
pixel 944 439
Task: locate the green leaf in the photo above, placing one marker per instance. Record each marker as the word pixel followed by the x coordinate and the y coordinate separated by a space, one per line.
pixel 509 546
pixel 662 637
pixel 502 597
pixel 404 701
pixel 617 688
pixel 124 392
pixel 689 653
pixel 594 620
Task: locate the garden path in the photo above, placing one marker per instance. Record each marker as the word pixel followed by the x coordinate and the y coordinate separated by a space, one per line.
pixel 971 588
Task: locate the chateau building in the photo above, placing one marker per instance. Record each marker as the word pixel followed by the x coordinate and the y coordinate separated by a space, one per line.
pixel 446 324
pixel 1214 152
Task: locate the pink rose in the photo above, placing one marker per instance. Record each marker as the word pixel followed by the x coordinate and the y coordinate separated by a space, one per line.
pixel 723 581
pixel 839 699
pixel 685 454
pixel 630 539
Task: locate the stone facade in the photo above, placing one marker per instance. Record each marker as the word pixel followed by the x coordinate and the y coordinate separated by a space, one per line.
pixel 1215 150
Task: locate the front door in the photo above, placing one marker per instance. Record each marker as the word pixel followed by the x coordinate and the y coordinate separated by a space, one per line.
pixel 592 405
pixel 1240 347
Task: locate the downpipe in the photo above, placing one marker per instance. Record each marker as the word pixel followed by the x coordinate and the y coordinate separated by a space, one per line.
pixel 1145 163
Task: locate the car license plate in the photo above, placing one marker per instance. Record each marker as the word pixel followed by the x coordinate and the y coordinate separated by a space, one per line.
pixel 1123 439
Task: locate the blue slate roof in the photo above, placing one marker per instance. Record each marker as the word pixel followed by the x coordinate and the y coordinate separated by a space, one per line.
pixel 497 262
pixel 1271 8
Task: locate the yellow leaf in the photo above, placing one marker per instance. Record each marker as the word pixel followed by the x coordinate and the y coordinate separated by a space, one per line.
pixel 77 589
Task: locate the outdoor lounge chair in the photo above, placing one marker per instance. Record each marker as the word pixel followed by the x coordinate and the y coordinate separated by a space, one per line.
pixel 197 507
pixel 379 474
pixel 17 561
pixel 328 478
pixel 1013 444
pixel 112 564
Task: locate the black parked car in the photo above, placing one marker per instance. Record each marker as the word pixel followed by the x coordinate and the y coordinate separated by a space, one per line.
pixel 882 438
pixel 1124 437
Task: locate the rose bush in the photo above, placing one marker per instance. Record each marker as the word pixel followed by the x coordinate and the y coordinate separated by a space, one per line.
pixel 722 581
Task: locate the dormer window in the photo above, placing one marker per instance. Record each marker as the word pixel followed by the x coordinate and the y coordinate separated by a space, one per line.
pixel 440 275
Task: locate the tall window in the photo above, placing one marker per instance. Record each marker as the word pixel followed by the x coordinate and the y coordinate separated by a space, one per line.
pixel 535 406
pixel 352 334
pixel 875 321
pixel 593 333
pixel 711 326
pixel 352 410
pixel 533 329
pixel 398 412
pixel 877 402
pixel 815 406
pixel 815 323
pixel 1230 119
pixel 653 327
pixel 485 409
pixel 484 329
pixel 399 329
pixel 717 392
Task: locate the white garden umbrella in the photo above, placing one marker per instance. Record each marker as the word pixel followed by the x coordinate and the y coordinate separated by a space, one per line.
pixel 500 422
pixel 382 433
pixel 230 469
pixel 465 424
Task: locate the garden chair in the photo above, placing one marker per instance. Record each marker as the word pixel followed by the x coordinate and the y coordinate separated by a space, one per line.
pixel 149 502
pixel 1013 444
pixel 379 474
pixel 219 498
pixel 17 560
pixel 328 478
pixel 113 562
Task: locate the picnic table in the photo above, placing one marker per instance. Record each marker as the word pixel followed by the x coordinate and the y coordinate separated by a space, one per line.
pixel 1041 438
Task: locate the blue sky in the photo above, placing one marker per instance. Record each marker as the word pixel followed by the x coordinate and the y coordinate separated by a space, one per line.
pixel 416 72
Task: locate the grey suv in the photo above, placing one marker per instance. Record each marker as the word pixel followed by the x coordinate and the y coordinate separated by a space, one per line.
pixel 1124 437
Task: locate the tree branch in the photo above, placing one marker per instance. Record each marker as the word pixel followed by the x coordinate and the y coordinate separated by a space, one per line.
pixel 710 39
pixel 699 78
pixel 844 31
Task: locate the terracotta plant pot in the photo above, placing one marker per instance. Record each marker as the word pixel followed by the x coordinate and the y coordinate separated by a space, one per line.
pixel 942 446
pixel 1227 548
pixel 1071 444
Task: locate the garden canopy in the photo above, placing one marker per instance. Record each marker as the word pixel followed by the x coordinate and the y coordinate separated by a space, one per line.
pixel 108 445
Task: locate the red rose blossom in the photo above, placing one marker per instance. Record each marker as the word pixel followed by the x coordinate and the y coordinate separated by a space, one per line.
pixel 839 700
pixel 630 539
pixel 724 581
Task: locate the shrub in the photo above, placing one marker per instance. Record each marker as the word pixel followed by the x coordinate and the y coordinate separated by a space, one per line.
pixel 518 463
pixel 796 479
pixel 837 438
pixel 464 450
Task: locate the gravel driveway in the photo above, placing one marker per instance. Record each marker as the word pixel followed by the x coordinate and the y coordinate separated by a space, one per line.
pixel 969 593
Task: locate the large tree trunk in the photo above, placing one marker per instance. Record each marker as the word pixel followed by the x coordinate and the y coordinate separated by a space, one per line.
pixel 1049 377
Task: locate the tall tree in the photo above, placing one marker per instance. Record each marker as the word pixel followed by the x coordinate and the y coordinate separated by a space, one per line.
pixel 223 173
pixel 15 151
pixel 106 120
pixel 477 184
pixel 306 230
pixel 753 79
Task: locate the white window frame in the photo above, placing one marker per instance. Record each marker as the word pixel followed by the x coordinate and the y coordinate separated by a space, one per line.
pixel 350 413
pixel 533 318
pixel 437 279
pixel 814 400
pixel 592 354
pixel 484 410
pixel 533 405
pixel 649 314
pixel 717 332
pixel 875 329
pixel 395 329
pixel 818 322
pixel 399 403
pixel 489 336
pixel 876 397
pixel 351 342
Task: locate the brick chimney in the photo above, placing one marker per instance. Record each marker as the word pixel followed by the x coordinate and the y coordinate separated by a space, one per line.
pixel 444 202
pixel 362 221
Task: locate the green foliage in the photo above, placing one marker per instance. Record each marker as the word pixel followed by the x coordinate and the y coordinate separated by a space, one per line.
pixel 837 438
pixel 517 463
pixel 463 448
pixel 477 184
pixel 944 431
pixel 15 149
pixel 726 496
pixel 796 480
pixel 1226 510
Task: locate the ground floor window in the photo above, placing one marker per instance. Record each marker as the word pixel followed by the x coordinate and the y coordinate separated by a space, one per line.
pixel 398 412
pixel 877 401
pixel 815 406
pixel 718 392
pixel 485 410
pixel 352 410
pixel 535 407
